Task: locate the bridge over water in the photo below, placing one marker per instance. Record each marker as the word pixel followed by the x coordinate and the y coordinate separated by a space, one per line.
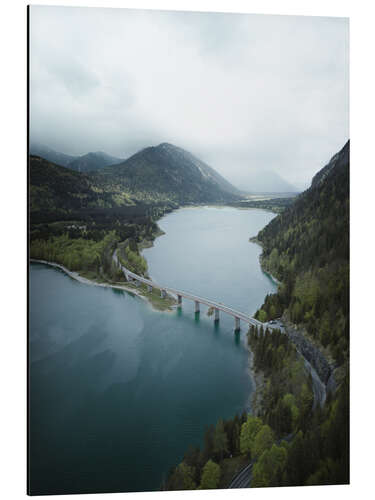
pixel 180 294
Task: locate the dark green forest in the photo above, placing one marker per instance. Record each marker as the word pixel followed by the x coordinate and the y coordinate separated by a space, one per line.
pixel 307 249
pixel 292 440
pixel 76 222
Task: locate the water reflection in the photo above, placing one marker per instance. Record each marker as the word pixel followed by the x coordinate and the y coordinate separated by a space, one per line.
pixel 237 337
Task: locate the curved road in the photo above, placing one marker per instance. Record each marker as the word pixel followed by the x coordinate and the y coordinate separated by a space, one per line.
pixel 242 480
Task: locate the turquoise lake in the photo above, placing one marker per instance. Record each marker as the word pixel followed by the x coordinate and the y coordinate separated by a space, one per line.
pixel 117 390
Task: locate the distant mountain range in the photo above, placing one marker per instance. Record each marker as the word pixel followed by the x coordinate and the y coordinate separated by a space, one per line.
pixel 267 182
pixel 89 162
pixel 264 182
pixel 51 155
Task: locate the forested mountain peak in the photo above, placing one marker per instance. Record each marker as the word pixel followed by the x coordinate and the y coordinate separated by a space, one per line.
pixel 93 161
pixel 169 172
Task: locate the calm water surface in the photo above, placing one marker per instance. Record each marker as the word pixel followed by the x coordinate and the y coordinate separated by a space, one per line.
pixel 117 390
pixel 207 251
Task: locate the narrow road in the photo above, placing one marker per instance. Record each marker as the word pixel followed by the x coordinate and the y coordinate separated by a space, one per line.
pixel 242 480
pixel 319 389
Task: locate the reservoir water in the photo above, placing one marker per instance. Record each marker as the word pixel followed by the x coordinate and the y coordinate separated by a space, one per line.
pixel 119 391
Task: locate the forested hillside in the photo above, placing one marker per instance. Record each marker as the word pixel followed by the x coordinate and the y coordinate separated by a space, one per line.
pixel 74 221
pixel 289 439
pixel 307 249
pixel 56 188
pixel 168 173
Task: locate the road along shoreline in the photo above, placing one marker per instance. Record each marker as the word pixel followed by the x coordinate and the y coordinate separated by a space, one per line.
pixel 321 370
pixel 85 281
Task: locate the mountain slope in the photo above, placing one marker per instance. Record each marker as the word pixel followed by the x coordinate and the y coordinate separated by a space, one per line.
pixel 55 189
pixel 166 172
pixel 91 162
pixel 337 161
pixel 307 248
pixel 37 149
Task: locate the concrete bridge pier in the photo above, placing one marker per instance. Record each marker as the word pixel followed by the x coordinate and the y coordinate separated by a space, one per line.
pixel 216 317
pixel 137 283
pixel 149 288
pixel 197 309
pixel 163 293
pixel 237 324
pixel 179 300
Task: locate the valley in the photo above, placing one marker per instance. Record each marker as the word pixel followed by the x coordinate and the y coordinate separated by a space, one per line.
pixel 79 220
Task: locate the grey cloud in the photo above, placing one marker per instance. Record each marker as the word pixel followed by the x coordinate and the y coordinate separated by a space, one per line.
pixel 246 93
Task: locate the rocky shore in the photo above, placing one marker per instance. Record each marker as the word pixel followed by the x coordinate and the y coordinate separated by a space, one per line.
pixel 258 378
pixel 311 352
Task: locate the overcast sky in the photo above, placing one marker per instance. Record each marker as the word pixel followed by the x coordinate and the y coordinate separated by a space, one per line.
pixel 244 93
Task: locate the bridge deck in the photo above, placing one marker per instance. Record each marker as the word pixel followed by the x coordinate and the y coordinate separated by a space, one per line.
pixel 210 303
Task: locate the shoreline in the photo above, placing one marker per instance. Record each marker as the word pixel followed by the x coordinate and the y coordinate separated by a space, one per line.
pixel 254 239
pixel 320 387
pixel 254 400
pixel 85 281
pixel 149 243
pixel 81 279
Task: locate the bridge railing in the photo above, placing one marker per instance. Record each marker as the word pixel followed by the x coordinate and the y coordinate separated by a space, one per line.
pixel 180 293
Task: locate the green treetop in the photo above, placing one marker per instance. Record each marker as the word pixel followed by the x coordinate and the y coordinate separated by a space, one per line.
pixel 262 441
pixel 183 478
pixel 249 430
pixel 210 476
pixel 268 470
